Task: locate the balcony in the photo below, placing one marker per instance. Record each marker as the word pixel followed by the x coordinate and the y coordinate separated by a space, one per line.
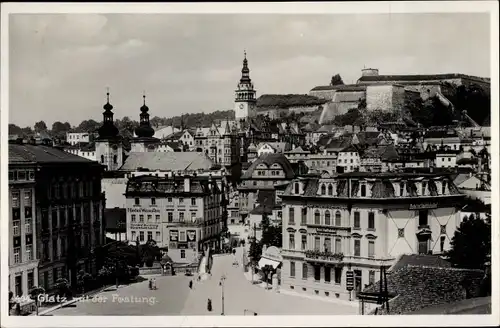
pixel 323 256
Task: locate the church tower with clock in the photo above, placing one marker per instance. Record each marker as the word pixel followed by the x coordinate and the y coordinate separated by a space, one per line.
pixel 245 101
pixel 108 146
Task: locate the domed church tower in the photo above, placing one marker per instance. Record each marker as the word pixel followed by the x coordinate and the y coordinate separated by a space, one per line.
pixel 144 142
pixel 109 146
pixel 245 101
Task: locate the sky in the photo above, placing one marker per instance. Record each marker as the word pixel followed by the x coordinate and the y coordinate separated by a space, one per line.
pixel 61 64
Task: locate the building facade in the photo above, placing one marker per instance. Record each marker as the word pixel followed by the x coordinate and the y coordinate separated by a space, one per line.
pixel 180 213
pixel 23 260
pixel 74 138
pixel 109 146
pixel 358 222
pixel 69 210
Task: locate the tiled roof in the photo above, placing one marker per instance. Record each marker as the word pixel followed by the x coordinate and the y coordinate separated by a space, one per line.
pixel 167 161
pixel 414 259
pixel 43 154
pixel 270 159
pixel 345 87
pixel 167 185
pixel 478 305
pixel 297 150
pixel 288 100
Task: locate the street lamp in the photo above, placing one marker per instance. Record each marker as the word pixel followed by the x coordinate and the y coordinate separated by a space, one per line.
pixel 221 283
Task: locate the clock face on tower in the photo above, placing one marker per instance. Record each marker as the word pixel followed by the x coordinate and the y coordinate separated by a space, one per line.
pixel 241 106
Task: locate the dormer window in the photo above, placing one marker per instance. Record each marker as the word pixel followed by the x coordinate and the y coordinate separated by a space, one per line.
pixel 363 190
pixel 401 189
pixel 330 190
pixel 296 188
pixel 443 187
pixel 323 190
pixel 424 187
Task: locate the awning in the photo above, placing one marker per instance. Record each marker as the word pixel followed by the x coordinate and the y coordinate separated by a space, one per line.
pixel 264 261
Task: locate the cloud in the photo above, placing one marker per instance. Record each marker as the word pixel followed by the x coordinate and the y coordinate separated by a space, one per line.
pixel 61 64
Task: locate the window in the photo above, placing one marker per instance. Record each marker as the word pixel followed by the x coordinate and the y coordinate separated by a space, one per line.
pixel 15 199
pixel 317 272
pixel 141 218
pixel 357 223
pixel 150 217
pixel 28 226
pixel 183 254
pixel 181 200
pixel 303 242
pixel 296 189
pixel 19 285
pixel 330 190
pixel 323 189
pixel 16 231
pixel 327 217
pixel 150 235
pixel 363 190
pixel 423 246
pixel 133 235
pixel 443 188
pixel 181 216
pixel 292 269
pixel 133 217
pixel 55 272
pixel 29 250
pixel 31 280
pixel 141 235
pixel 17 255
pixel 157 217
pixel 170 216
pixel 137 201
pixel 328 245
pixel 371 220
pixel 157 236
pixel 423 218
pixel 303 220
pixel 371 277
pixel 328 274
pixel 371 248
pixel 316 217
pixel 28 200
pixel 182 236
pixel 55 254
pixel 193 201
pixel 338 219
pixel 338 245
pixel 169 199
pixel 338 275
pixel 63 246
pixel 401 189
pixel 291 240
pixel 441 243
pixel 316 243
pixel 357 247
pixel 424 187
pixel 153 201
pixel 304 270
pixel 115 159
pixel 291 215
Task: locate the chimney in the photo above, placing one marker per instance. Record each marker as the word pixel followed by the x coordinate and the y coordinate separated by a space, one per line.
pixel 187 184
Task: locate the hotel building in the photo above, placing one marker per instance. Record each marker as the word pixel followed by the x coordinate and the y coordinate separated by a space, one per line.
pixel 180 213
pixel 359 222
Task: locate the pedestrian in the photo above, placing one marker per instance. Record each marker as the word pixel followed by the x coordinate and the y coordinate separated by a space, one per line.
pixel 154 283
pixel 150 284
pixel 209 305
pixel 190 284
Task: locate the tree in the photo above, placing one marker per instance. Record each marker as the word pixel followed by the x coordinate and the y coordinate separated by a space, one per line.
pixel 352 117
pixel 336 80
pixel 87 126
pixel 271 235
pixel 14 129
pixel 40 126
pixel 34 293
pixel 471 244
pixel 255 251
pixel 60 129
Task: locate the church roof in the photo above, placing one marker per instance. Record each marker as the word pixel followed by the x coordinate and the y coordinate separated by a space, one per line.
pixel 167 161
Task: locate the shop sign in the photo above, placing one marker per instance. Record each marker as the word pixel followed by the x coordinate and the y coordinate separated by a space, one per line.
pixel 423 206
pixel 182 245
pixel 143 210
pixel 191 235
pixel 273 253
pixel 174 235
pixel 325 230
pixel 143 226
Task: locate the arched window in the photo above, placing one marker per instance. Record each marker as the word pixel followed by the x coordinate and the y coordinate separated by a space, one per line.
pixel 316 217
pixel 102 158
pixel 330 190
pixel 401 189
pixel 443 187
pixel 115 159
pixel 296 191
pixel 363 190
pixel 327 217
pixel 304 270
pixel 338 219
pixel 323 189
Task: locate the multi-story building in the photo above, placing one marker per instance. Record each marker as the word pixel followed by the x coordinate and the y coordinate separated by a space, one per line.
pixel 69 207
pixel 264 173
pixel 358 222
pixel 180 213
pixel 23 262
pixel 74 138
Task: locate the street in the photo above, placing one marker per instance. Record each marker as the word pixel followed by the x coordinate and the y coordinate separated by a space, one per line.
pixel 174 297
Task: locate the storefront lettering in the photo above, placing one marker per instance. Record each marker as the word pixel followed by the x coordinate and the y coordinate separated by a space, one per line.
pixel 143 210
pixel 423 206
pixel 174 235
pixel 326 230
pixel 143 226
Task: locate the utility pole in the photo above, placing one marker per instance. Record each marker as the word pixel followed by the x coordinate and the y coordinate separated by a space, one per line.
pixel 221 283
